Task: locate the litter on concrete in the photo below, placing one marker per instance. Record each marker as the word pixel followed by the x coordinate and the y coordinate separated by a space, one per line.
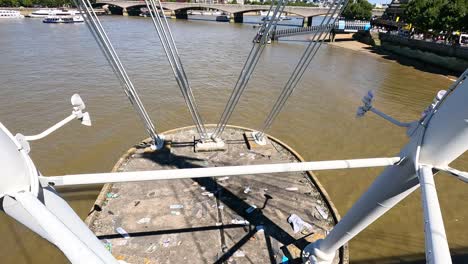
pixel 298 224
pixel 251 209
pixel 239 254
pixel 260 228
pixel 112 195
pixel 322 211
pixel 122 232
pixel 108 246
pixel 151 248
pixel 144 220
pixel 240 222
pixel 292 189
pixel 176 206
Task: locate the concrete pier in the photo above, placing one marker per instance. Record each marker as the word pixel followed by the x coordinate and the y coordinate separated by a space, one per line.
pixel 207 220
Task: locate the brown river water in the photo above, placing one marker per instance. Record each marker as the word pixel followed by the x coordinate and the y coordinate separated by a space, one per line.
pixel 42 65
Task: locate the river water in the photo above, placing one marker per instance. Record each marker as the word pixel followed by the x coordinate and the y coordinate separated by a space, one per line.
pixel 42 65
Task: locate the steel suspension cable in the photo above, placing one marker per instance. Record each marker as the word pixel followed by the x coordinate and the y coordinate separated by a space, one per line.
pixel 172 54
pixel 109 52
pixel 249 65
pixel 303 63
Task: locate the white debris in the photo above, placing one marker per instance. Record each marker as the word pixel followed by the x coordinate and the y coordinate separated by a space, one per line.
pixel 291 189
pixel 298 224
pixel 322 212
pixel 251 209
pixel 144 220
pixel 122 231
pixel 239 222
pixel 239 254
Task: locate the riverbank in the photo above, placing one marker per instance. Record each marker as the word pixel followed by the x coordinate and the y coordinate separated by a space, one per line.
pixel 378 51
pixel 452 59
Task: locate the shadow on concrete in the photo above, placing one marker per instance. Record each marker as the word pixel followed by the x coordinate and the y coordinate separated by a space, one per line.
pixel 235 201
pixel 171 231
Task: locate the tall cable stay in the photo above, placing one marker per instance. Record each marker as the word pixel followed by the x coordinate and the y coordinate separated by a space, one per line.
pixel 259 43
pixel 104 43
pixel 172 54
pixel 316 41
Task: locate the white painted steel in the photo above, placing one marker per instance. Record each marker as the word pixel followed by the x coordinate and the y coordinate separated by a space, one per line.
pixel 440 138
pixel 18 171
pixel 100 178
pixel 437 249
pixel 51 129
pixel 392 186
pixel 446 137
pixel 65 238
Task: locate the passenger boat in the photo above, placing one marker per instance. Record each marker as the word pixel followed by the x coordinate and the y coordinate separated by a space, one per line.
pixel 222 18
pixel 63 19
pixel 10 14
pixel 42 13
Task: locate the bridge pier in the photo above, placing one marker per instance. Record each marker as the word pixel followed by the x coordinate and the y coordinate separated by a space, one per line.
pixel 236 18
pixel 180 14
pixel 124 12
pixel 307 22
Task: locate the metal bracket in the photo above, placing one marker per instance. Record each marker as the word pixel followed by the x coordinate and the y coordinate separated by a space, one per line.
pixel 461 175
pixel 158 143
pixel 259 138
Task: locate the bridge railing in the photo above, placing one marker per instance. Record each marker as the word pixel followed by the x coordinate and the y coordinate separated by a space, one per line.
pixel 344 26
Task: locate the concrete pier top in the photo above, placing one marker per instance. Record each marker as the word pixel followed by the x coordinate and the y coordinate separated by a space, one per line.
pixel 240 219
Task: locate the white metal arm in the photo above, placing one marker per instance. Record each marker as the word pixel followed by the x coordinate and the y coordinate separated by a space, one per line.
pixel 51 129
pixel 437 249
pixel 78 107
pixel 101 178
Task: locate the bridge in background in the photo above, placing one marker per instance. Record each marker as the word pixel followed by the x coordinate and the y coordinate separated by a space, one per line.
pixel 235 11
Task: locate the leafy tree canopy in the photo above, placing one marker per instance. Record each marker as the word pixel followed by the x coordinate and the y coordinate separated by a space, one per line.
pixel 358 9
pixel 437 15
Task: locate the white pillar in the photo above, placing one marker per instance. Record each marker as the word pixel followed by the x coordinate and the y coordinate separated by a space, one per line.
pixel 437 249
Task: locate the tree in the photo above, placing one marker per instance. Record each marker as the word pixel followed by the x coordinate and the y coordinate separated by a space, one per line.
pixel 453 16
pixel 438 16
pixel 424 14
pixel 358 9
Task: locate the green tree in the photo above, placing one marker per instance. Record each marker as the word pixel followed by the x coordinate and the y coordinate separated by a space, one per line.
pixel 453 16
pixel 424 14
pixel 358 9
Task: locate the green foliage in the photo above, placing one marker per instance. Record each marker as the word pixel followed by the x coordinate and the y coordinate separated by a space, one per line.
pixel 424 14
pixel 437 15
pixel 267 2
pixel 358 9
pixel 30 3
pixel 453 16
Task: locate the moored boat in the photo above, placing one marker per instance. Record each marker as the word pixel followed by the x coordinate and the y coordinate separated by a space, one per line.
pixel 43 13
pixel 10 14
pixel 63 19
pixel 222 18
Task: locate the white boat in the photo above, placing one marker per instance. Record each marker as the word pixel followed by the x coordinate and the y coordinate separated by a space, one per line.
pixel 42 13
pixel 63 19
pixel 267 17
pixel 10 14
